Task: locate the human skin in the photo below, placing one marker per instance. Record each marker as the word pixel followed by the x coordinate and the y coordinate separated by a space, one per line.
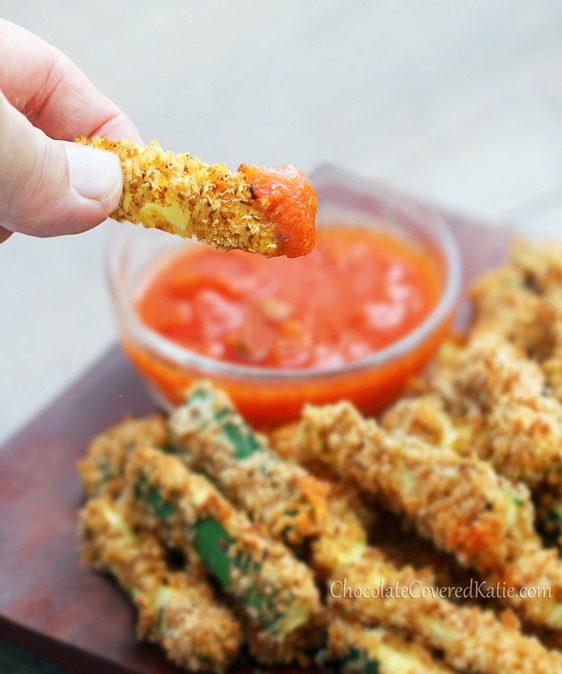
pixel 50 186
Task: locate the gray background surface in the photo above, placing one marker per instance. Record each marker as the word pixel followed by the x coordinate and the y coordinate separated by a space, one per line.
pixel 459 103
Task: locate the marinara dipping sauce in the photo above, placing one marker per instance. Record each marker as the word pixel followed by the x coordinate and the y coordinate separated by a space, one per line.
pixel 309 319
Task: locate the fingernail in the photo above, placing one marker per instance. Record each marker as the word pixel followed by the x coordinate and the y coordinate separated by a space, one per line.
pixel 93 173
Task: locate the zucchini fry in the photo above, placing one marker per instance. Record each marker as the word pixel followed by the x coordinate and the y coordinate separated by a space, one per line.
pixel 176 610
pixel 275 590
pixel 211 437
pixel 353 649
pixel 504 305
pixel 103 469
pixel 427 419
pixel 470 639
pixel 259 209
pixel 540 264
pixel 510 418
pixel 458 502
pixel 521 302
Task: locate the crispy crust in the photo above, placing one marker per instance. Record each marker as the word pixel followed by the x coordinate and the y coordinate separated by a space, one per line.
pixel 522 302
pixel 280 625
pixel 290 502
pixel 499 406
pixel 342 555
pixel 175 609
pixel 180 194
pixel 103 469
pixel 471 640
pixel 356 646
pixel 458 502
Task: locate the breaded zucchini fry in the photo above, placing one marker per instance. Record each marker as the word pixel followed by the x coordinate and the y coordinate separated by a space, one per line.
pixel 275 590
pixel 176 610
pixel 510 418
pixel 103 469
pixel 353 649
pixel 427 418
pixel 539 263
pixel 263 210
pixel 458 502
pixel 470 639
pixel 211 437
pixel 505 306
pixel 522 302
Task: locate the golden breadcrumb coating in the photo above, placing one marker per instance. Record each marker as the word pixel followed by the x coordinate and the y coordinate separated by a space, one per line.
pixel 276 591
pixel 175 609
pixel 222 446
pixel 522 301
pixel 103 468
pixel 504 410
pixel 359 650
pixel 539 263
pixel 459 502
pixel 470 639
pixel 215 440
pixel 212 438
pixel 272 213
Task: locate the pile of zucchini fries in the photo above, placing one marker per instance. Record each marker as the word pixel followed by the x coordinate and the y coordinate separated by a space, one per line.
pixel 262 542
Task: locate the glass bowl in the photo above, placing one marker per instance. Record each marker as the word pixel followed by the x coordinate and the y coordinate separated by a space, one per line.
pixel 269 397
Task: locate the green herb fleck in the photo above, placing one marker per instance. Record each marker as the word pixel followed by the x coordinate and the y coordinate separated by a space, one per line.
pixel 159 624
pixel 356 657
pixel 162 509
pixel 139 488
pixel 372 667
pixel 168 449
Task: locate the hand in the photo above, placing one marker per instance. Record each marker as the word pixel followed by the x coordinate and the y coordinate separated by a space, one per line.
pixel 48 184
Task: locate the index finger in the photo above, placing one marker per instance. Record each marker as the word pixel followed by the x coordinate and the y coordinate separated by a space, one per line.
pixel 53 93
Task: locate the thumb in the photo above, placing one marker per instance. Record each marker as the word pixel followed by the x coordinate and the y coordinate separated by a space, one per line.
pixel 50 187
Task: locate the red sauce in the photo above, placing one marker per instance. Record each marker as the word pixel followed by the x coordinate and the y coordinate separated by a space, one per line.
pixel 288 199
pixel 357 292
